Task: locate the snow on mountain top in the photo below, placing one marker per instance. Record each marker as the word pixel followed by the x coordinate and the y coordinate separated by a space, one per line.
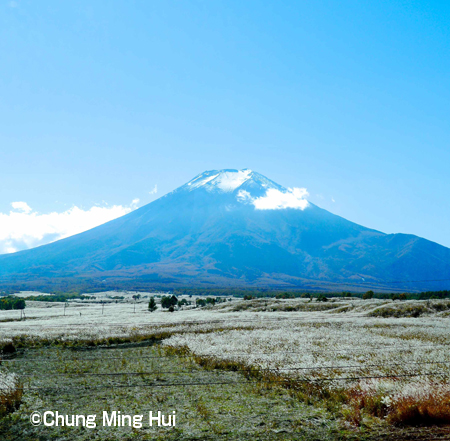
pixel 229 181
pixel 252 188
pixel 225 180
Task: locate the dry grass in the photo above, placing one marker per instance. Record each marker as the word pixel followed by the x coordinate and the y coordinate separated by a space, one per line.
pixel 270 339
pixel 432 409
pixel 428 408
pixel 10 393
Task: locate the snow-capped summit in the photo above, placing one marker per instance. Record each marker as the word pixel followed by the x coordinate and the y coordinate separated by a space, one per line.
pixel 222 180
pixel 230 180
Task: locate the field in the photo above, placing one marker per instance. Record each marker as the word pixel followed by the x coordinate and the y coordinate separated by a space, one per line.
pixel 256 369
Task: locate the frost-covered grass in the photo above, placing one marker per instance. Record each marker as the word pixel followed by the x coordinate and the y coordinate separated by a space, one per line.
pixel 327 352
pixel 94 324
pixel 387 368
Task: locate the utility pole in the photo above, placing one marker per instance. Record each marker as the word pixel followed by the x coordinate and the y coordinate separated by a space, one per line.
pixel 65 304
pixel 103 305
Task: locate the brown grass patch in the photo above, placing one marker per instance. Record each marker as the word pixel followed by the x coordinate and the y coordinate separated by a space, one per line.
pixel 426 409
pixel 433 409
pixel 10 401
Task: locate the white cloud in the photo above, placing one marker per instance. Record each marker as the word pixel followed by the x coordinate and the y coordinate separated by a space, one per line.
pixel 155 190
pixel 21 206
pixel 23 228
pixel 275 199
pixel 332 200
pixel 244 196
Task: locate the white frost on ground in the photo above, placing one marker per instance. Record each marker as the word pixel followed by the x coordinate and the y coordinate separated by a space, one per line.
pixel 305 345
pixel 9 383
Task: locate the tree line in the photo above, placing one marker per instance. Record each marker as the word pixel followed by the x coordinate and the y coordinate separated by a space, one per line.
pixel 8 303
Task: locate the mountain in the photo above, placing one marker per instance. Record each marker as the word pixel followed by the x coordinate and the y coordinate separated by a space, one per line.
pixel 234 228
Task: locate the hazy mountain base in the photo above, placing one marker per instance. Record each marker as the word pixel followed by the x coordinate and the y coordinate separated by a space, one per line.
pixel 166 279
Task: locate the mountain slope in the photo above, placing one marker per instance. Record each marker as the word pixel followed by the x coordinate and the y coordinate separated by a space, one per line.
pixel 234 227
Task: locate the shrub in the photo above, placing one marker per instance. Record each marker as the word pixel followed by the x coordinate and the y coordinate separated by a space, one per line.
pixel 182 302
pixel 440 306
pixel 397 311
pixel 285 295
pixel 8 348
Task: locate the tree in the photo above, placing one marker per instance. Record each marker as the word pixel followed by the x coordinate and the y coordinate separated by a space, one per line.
pixel 200 302
pixel 8 303
pixel 167 302
pixel 368 295
pixel 182 302
pixel 19 304
pixel 152 305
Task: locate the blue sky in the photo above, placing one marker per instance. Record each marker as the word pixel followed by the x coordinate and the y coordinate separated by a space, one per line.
pixel 101 101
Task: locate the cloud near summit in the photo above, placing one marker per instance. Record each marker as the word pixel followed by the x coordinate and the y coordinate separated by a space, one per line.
pixel 276 200
pixel 23 228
